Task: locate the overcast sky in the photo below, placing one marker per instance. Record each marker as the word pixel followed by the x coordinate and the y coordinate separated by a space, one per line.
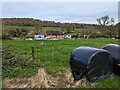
pixel 75 12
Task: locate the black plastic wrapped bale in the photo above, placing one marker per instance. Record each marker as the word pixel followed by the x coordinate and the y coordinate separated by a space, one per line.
pixel 95 64
pixel 114 50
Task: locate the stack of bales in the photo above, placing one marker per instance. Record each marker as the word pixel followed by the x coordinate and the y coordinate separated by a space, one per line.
pixel 95 64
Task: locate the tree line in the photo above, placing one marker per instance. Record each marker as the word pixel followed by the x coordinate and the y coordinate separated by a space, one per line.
pixel 37 22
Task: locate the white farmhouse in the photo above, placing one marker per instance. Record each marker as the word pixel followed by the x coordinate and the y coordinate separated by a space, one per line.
pixel 67 36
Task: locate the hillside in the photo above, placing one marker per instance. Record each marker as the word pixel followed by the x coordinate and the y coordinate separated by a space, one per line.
pixel 12 27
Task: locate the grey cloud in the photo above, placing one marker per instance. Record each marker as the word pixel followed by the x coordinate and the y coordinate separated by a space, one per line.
pixel 73 12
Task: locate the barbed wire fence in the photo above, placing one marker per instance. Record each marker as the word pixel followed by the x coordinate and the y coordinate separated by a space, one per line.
pixel 57 56
pixel 46 56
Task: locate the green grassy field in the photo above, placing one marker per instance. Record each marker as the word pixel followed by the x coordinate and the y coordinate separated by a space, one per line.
pixel 31 28
pixel 62 51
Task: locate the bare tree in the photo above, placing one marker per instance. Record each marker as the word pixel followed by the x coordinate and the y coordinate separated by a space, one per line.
pixel 104 22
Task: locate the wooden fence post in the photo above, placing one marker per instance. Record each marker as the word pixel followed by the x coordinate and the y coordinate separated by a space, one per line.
pixel 33 53
pixel 52 53
pixel 45 54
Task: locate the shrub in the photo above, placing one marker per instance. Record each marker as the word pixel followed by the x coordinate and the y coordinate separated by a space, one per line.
pixel 5 36
pixel 30 36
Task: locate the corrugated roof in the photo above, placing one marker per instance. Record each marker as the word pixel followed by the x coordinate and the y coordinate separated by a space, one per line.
pixel 53 32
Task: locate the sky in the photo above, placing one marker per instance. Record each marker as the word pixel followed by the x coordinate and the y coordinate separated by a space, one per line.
pixel 73 12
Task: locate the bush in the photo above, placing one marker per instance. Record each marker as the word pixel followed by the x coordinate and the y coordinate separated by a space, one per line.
pixel 5 36
pixel 13 61
pixel 30 36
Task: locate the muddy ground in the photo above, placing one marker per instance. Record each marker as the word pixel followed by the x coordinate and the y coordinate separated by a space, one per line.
pixel 43 80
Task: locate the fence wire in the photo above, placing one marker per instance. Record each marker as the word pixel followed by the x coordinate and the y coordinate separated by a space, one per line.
pixel 50 57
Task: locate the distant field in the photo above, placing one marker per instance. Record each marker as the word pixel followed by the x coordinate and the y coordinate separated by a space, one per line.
pixel 15 27
pixel 31 28
pixel 53 28
pixel 62 51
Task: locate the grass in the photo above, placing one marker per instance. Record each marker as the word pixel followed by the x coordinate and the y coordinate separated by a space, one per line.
pixel 62 51
pixel 15 27
pixel 53 28
pixel 112 82
pixel 32 28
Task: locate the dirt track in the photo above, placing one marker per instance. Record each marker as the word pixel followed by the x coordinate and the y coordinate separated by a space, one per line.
pixel 43 80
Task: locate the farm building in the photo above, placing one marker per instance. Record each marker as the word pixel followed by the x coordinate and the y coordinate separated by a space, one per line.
pixel 54 35
pixel 38 37
pixel 67 36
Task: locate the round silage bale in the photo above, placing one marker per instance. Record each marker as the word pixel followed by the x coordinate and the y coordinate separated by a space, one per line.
pixel 114 50
pixel 95 64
